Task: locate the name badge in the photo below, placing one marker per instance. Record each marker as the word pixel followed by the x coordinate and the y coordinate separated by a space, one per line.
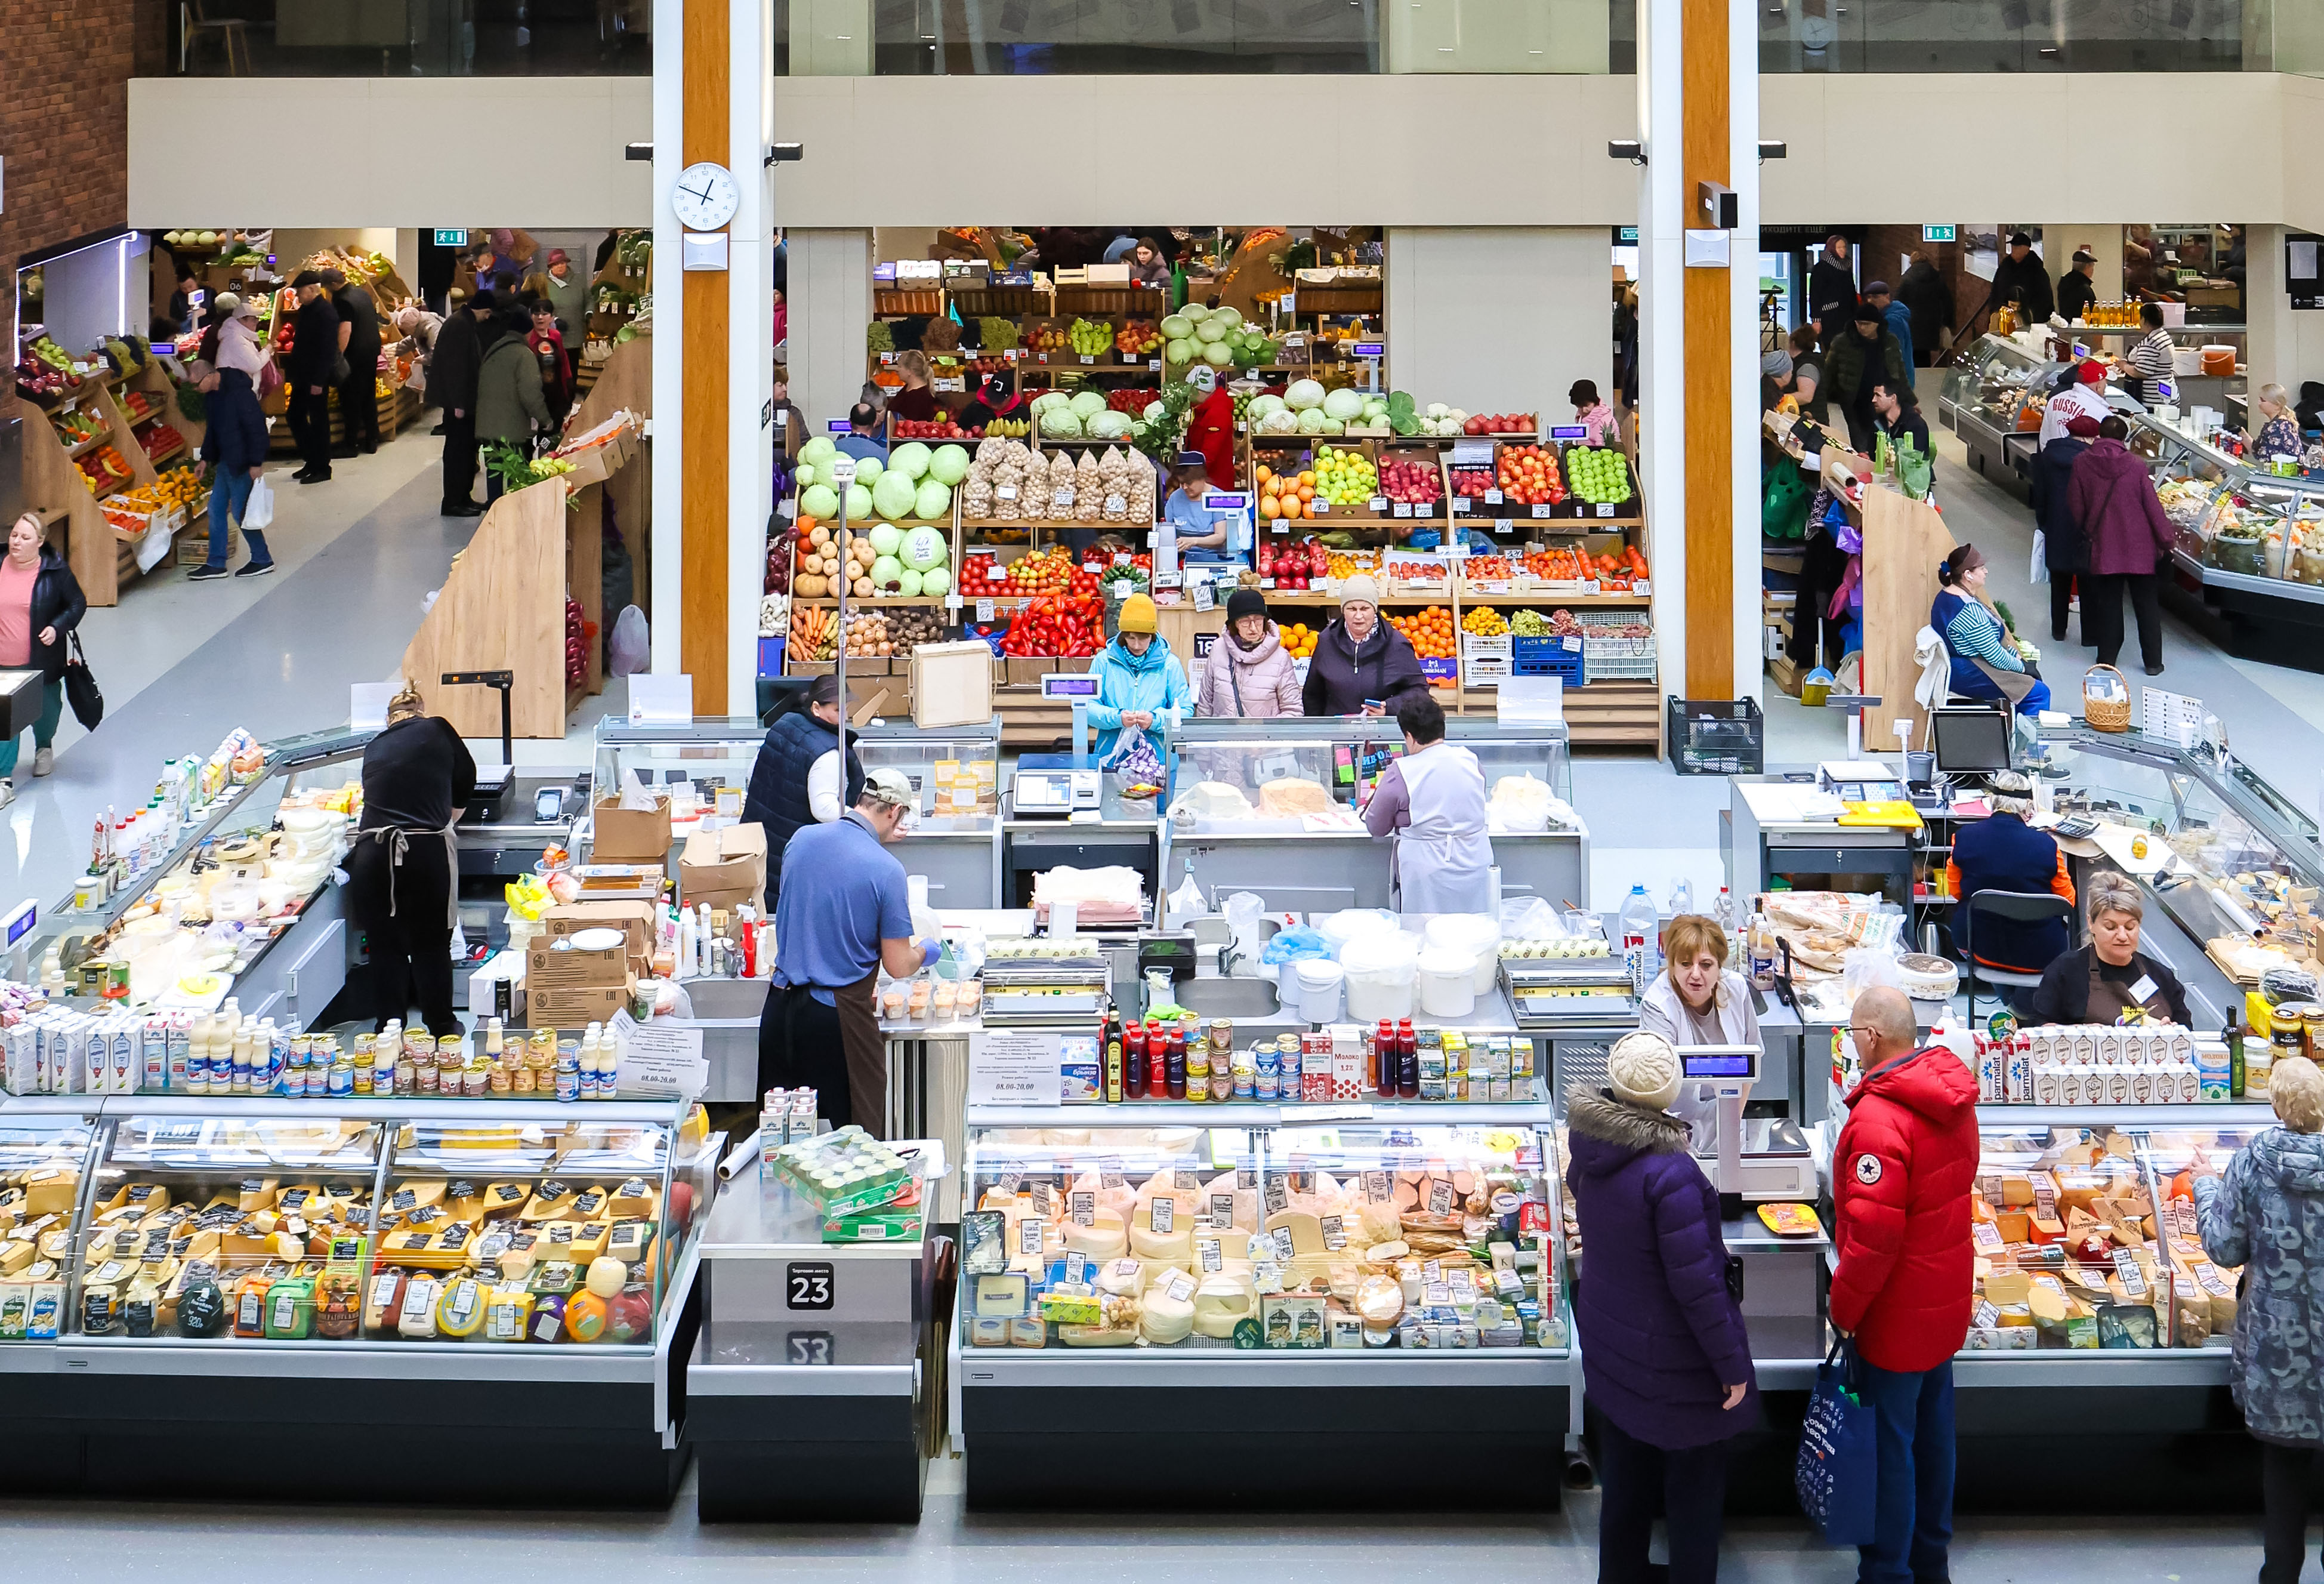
pixel 2144 988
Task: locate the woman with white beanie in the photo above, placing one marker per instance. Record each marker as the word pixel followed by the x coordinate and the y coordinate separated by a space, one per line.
pixel 1666 1366
pixel 1361 662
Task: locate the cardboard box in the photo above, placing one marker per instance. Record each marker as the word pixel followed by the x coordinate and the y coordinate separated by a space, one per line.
pixel 724 867
pixel 635 918
pixel 952 683
pixel 573 1005
pixel 629 835
pixel 550 965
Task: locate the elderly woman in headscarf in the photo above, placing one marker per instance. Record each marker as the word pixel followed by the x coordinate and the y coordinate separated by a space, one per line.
pixel 2002 853
pixel 416 325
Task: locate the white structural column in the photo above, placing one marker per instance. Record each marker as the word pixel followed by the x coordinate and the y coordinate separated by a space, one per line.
pixel 2286 345
pixel 751 360
pixel 669 451
pixel 1699 409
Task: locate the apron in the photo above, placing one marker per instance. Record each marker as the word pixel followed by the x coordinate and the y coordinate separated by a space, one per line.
pixel 2109 1000
pixel 397 840
pixel 2014 685
pixel 857 1068
pixel 1443 863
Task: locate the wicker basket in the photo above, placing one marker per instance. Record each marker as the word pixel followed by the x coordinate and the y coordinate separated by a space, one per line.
pixel 2105 714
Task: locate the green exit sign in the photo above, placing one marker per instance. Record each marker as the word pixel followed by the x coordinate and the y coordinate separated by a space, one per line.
pixel 1939 234
pixel 451 238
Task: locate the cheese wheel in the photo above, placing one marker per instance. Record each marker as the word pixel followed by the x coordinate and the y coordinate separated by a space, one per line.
pixel 1379 1300
pixel 460 1308
pixel 1386 1255
pixel 1234 1243
pixel 1103 1239
pixel 1122 1277
pixel 606 1275
pixel 1307 1230
pixel 1165 1320
pixel 1174 1247
pixel 1221 1302
pixel 584 1317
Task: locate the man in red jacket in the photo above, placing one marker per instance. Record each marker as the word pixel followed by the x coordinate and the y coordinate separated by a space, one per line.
pixel 1901 1284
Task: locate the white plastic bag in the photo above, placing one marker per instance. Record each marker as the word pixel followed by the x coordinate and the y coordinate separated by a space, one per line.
pixel 2040 572
pixel 1530 918
pixel 258 512
pixel 631 645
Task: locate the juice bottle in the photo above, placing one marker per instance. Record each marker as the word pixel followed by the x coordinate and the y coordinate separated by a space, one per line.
pixel 1174 1055
pixel 1384 1060
pixel 1407 1061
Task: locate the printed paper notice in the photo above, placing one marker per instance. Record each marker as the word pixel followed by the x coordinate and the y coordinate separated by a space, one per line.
pixel 1013 1068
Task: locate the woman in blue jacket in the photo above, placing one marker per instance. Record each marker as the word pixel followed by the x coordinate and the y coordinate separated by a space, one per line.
pixel 1986 663
pixel 1137 678
pixel 234 444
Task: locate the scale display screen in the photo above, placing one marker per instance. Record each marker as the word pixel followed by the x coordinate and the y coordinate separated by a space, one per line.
pixel 1069 685
pixel 1707 1063
pixel 1055 791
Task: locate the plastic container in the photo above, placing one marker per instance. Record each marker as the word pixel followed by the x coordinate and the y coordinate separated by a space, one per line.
pixel 1474 934
pixel 1381 970
pixel 1320 984
pixel 1641 937
pixel 1340 928
pixel 1447 982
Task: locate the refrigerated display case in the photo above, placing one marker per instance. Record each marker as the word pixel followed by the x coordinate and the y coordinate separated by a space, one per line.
pixel 45 1147
pixel 2252 539
pixel 1245 1304
pixel 1981 400
pixel 1274 807
pixel 275 1276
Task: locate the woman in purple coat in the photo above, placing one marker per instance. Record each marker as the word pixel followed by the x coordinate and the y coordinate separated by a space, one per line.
pixel 1665 1364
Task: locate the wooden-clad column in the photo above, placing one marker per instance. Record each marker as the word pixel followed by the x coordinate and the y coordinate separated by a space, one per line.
pixel 1710 459
pixel 704 338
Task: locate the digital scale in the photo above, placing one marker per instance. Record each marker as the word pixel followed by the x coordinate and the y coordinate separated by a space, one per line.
pixel 1055 795
pixel 1760 1160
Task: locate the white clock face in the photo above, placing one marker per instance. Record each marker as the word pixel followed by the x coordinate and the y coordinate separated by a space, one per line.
pixel 706 197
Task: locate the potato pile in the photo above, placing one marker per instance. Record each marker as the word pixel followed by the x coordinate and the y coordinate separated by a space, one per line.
pixel 867 636
pixel 912 626
pixel 821 563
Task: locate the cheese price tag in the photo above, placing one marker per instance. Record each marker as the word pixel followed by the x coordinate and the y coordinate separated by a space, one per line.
pixel 1985 1235
pixel 1109 1172
pixel 1180 1286
pixel 2045 1196
pixel 1222 1210
pixel 1281 1238
pixel 2052 1283
pixel 1207 1249
pixel 1431 1270
pixel 1375 1188
pixel 1605 511
pixel 1335 1235
pixel 1436 1295
pixel 1029 1235
pixel 1987 1316
pixel 1246 1177
pixel 2183 1219
pixel 1010 1185
pixel 1278 1193
pixel 1084 1207
pixel 2134 1280
pixel 1077 1267
pixel 1440 1197
pixel 1165 1216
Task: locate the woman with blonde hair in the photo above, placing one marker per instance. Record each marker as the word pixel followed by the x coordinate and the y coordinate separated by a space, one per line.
pixel 918 400
pixel 403 874
pixel 2266 1215
pixel 2279 430
pixel 1698 1000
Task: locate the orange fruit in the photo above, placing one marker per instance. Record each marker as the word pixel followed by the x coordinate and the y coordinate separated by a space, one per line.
pixel 1306 479
pixel 1306 491
pixel 1269 507
pixel 1263 475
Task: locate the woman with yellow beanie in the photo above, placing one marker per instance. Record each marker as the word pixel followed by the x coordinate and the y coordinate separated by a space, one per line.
pixel 1137 677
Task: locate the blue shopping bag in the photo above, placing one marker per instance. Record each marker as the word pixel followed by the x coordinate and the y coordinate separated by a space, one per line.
pixel 1838 1475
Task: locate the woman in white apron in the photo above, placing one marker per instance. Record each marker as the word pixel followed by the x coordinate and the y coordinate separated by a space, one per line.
pixel 1433 800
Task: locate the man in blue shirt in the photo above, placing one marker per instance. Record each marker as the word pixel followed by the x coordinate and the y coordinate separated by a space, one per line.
pixel 863 421
pixel 843 914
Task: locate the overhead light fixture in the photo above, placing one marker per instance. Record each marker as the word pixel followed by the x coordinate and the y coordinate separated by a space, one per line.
pixel 1774 148
pixel 785 153
pixel 636 151
pixel 1628 149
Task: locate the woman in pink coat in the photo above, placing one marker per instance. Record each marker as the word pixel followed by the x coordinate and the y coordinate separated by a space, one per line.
pixel 1247 671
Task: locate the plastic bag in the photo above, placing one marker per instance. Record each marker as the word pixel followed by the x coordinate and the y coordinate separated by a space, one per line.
pixel 2040 571
pixel 1294 944
pixel 258 511
pixel 631 649
pixel 1530 918
pixel 1135 759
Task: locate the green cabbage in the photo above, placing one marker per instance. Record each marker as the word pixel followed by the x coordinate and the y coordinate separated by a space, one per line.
pixel 859 503
pixel 932 500
pixel 1049 398
pixel 818 501
pixel 892 497
pixel 1087 404
pixel 1211 330
pixel 1061 423
pixel 1344 405
pixel 907 584
pixel 1107 425
pixel 818 450
pixel 869 470
pixel 1176 327
pixel 1180 350
pixel 949 464
pixel 1311 421
pixel 885 572
pixel 1303 394
pixel 925 549
pixel 1265 403
pixel 1218 355
pixel 936 580
pixel 885 537
pixel 911 459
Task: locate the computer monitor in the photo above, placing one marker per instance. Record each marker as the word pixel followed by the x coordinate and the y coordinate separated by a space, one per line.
pixel 1969 742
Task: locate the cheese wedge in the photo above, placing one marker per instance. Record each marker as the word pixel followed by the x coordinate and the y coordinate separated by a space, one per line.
pixel 551 1201
pixel 1221 1302
pixel 1307 1230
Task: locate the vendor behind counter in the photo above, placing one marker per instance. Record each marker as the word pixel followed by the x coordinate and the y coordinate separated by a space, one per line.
pixel 2099 982
pixel 2002 854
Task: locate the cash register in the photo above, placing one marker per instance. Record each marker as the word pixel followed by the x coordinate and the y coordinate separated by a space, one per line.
pixel 1055 793
pixel 1755 1159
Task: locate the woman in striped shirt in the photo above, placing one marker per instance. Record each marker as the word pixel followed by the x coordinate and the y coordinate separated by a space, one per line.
pixel 2151 358
pixel 1986 664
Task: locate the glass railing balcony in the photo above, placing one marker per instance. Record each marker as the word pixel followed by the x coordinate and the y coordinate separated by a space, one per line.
pixel 403 38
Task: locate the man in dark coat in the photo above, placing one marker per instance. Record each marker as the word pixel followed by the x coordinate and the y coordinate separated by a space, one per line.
pixel 2064 551
pixel 1928 297
pixel 313 371
pixel 2021 275
pixel 359 344
pixel 452 379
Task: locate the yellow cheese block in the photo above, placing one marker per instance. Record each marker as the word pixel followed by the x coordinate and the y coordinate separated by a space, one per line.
pixel 2005 1289
pixel 1307 1230
pixel 633 1200
pixel 414 1194
pixel 505 1199
pixel 2047 1303
pixel 551 1201
pixel 49 1192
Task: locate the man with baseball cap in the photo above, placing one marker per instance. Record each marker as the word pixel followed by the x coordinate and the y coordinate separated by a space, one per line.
pixel 844 913
pixel 2086 396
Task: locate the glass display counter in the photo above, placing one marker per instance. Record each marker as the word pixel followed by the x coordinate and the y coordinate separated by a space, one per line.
pixel 44 1161
pixel 1982 400
pixel 233 896
pixel 2246 534
pixel 1274 807
pixel 953 837
pixel 1364 1281
pixel 242 1273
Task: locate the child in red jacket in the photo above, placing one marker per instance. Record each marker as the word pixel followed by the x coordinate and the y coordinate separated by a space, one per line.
pixel 1901 1283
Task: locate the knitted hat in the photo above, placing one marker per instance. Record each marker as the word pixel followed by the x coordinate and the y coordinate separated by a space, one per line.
pixel 1359 588
pixel 1777 363
pixel 1644 1070
pixel 1245 602
pixel 1137 615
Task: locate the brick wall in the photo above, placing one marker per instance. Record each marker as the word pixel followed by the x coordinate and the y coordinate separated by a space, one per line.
pixel 64 122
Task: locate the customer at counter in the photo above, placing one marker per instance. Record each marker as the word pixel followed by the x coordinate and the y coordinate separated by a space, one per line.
pixel 2000 853
pixel 846 914
pixel 1137 677
pixel 2266 1217
pixel 2099 982
pixel 1697 1001
pixel 1247 673
pixel 2086 394
pixel 2064 551
pixel 1986 663
pixel 795 779
pixel 1361 664
pixel 2112 497
pixel 1665 1362
pixel 1432 802
pixel 916 401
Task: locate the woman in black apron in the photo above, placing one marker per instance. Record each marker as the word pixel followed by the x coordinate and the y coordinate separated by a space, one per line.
pixel 2109 978
pixel 403 875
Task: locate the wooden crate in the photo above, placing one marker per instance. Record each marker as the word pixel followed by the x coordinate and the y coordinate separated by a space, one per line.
pixel 991 301
pixel 924 301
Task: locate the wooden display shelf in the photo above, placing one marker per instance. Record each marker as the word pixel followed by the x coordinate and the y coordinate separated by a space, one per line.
pixel 873 601
pixel 82 450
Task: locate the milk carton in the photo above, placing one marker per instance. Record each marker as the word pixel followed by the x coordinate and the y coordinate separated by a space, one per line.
pixel 2017 1085
pixel 1992 1071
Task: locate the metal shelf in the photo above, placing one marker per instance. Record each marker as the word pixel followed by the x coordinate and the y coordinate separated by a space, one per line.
pixel 1174 1368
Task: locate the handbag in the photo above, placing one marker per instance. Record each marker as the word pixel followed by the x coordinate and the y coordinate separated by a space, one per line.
pixel 80 686
pixel 1837 1474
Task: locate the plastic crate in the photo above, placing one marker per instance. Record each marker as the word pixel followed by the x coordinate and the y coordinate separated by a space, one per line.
pixel 1612 660
pixel 1716 737
pixel 771 657
pixel 1548 657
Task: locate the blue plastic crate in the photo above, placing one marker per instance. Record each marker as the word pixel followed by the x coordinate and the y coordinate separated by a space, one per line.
pixel 1547 657
pixel 771 657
